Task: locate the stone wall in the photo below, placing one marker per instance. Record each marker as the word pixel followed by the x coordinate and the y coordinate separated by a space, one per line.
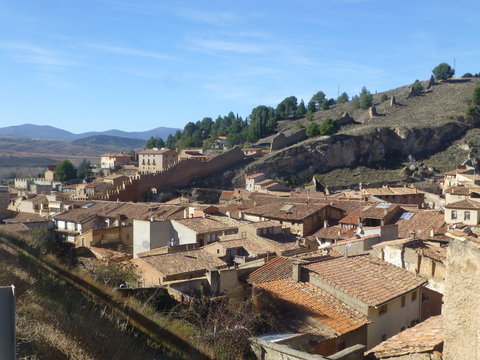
pixel 462 301
pixel 138 187
pixel 281 140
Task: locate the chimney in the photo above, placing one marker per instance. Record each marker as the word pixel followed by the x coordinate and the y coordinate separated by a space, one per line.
pixel 414 235
pixel 432 233
pixel 296 272
pixel 325 223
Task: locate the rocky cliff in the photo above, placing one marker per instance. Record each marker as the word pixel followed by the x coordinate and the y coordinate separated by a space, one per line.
pixel 376 147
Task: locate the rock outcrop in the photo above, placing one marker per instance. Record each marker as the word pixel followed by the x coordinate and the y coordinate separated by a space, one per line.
pixel 328 153
pixel 393 101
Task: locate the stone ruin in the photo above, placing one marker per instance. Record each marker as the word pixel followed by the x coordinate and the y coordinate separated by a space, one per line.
pixel 373 111
pixel 393 101
pixel 431 82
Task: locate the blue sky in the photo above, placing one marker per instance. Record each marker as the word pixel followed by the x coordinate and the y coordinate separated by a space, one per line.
pixel 85 65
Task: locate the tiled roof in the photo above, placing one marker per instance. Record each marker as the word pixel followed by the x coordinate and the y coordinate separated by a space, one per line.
pixel 392 191
pixel 422 221
pixel 438 253
pixel 24 217
pixel 333 232
pixel 365 277
pixel 183 262
pixel 295 211
pixel 428 336
pixel 334 317
pixel 204 225
pixel 153 151
pixel 464 204
pixel 276 269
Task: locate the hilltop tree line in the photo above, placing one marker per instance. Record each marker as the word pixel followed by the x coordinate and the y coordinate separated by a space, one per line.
pixel 263 119
pixel 65 170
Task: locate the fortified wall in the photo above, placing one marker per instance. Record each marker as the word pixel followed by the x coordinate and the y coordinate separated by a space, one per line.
pixel 137 187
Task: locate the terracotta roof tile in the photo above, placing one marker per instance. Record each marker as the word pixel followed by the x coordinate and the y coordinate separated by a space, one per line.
pixel 318 304
pixel 428 336
pixel 464 204
pixel 276 269
pixel 182 262
pixel 365 277
pixel 421 221
pixel 204 225
pixel 285 210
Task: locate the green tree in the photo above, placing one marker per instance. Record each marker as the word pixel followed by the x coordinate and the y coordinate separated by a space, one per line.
pixel 343 98
pixel 65 171
pixel 311 106
pixel 325 106
pixel 317 100
pixel 443 72
pixel 286 108
pixel 327 127
pixel 155 142
pixel 312 130
pixel 170 142
pixel 365 99
pixel 84 170
pixel 301 109
pixel 309 115
pixel 467 75
pixel 383 98
pixel 114 274
pixel 476 96
pixel 417 87
pixel 262 123
pixel 41 239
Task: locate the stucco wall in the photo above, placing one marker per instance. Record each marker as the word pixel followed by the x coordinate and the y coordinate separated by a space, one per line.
pixel 396 317
pixel 149 235
pixel 462 301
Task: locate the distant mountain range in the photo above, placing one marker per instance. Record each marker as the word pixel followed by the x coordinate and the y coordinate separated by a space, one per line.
pixel 45 132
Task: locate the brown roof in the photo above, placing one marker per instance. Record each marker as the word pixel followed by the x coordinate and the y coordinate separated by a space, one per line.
pixel 334 317
pixel 421 221
pixel 276 269
pixel 24 217
pixel 333 232
pixel 438 253
pixel 366 278
pixel 183 262
pixel 392 191
pixel 205 225
pixel 464 204
pixel 153 151
pixel 290 211
pixel 428 336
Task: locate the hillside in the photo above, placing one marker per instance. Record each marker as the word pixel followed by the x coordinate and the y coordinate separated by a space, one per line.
pixel 107 140
pixel 422 126
pixel 44 132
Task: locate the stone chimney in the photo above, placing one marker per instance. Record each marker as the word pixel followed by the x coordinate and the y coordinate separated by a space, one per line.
pixel 296 272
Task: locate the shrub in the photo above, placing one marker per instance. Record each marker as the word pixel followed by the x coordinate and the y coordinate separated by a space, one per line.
pixel 471 110
pixel 312 130
pixel 417 87
pixel 343 98
pixel 443 72
pixel 476 96
pixel 384 98
pixel 467 75
pixel 327 127
pixel 114 274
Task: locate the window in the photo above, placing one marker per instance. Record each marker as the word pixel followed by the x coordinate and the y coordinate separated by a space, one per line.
pixel 383 309
pixel 466 215
pixel 414 296
pixel 403 301
pixel 454 214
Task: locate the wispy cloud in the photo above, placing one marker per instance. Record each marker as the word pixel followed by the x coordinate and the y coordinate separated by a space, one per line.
pixel 210 17
pixel 38 55
pixel 129 51
pixel 228 46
